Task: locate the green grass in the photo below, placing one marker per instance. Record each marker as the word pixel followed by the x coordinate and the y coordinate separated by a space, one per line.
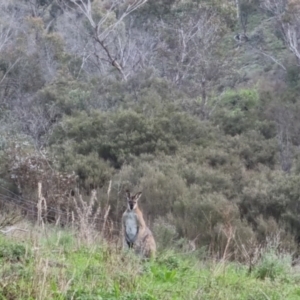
pixel 58 267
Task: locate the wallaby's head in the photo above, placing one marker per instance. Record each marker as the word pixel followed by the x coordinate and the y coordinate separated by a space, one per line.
pixel 132 200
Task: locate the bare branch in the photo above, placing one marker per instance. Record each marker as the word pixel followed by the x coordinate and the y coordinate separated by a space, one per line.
pixel 292 35
pixel 276 61
pixel 9 70
pixel 287 14
pixel 105 30
pixel 12 229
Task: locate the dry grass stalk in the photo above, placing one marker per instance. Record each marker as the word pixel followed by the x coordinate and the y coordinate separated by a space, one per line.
pixel 28 169
pixel 73 220
pixel 86 216
pixel 250 253
pixel 227 228
pixel 107 209
pixel 40 279
pixel 105 219
pixel 41 205
pixel 229 232
pixel 43 283
pixel 58 219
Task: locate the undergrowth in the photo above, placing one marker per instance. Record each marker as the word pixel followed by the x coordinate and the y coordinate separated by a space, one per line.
pixel 57 265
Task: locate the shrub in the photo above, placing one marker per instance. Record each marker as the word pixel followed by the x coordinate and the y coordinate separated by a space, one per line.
pixel 12 251
pixel 115 136
pixel 255 150
pixel 236 113
pixel 165 233
pixel 65 94
pixel 273 265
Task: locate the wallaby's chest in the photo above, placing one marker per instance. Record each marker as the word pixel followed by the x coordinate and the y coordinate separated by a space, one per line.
pixel 131 226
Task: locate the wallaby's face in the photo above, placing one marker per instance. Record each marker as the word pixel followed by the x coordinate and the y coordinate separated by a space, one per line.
pixel 132 201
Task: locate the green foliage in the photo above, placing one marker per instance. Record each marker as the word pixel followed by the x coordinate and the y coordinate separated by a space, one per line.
pixel 66 94
pixel 59 89
pixel 118 135
pixel 237 111
pixel 165 234
pixel 254 150
pixel 63 239
pixel 293 77
pixel 91 169
pixel 273 265
pixel 11 251
pixel 243 100
pixel 101 272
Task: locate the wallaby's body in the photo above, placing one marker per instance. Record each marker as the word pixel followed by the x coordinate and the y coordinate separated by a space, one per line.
pixel 136 234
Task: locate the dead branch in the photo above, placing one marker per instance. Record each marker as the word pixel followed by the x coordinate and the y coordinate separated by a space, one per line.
pixel 104 29
pixel 12 229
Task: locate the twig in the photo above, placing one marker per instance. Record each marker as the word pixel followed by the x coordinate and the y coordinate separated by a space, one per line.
pixel 9 69
pixel 12 229
pixel 272 58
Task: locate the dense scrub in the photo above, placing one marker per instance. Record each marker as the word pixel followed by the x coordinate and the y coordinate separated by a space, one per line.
pixel 167 99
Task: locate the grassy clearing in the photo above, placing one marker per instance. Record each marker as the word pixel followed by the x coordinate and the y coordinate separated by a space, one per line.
pixel 60 267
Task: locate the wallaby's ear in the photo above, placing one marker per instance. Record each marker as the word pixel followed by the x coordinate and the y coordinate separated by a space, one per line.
pixel 127 193
pixel 137 196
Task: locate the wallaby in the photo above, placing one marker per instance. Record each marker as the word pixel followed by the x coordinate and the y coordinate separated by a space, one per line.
pixel 136 234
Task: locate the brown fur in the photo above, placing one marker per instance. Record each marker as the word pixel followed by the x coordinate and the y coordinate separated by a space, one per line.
pixel 141 240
